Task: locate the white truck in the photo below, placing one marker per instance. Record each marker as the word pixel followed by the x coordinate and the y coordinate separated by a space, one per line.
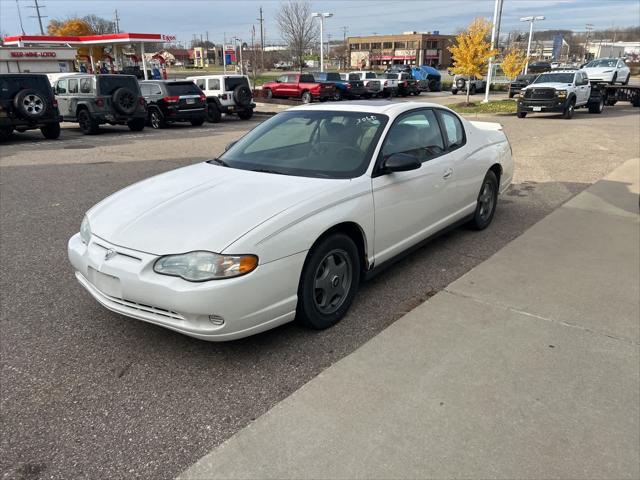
pixel 229 94
pixel 372 84
pixel 561 91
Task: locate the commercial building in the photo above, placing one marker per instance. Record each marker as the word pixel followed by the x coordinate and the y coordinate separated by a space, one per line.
pixel 37 59
pixel 409 48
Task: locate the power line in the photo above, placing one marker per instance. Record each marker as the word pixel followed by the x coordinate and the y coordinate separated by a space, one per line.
pixel 20 17
pixel 38 15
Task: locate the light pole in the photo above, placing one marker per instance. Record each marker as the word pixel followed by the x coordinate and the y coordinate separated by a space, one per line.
pixel 322 16
pixel 494 41
pixel 531 20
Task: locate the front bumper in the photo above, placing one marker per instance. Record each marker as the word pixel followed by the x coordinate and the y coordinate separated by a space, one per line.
pixel 547 105
pixel 127 284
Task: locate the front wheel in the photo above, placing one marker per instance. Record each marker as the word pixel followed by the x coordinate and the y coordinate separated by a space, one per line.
pixel 51 131
pixel 568 111
pixel 245 114
pixel 626 82
pixel 487 201
pixel 615 77
pixel 329 282
pixel 196 122
pixel 213 113
pixel 472 90
pixel 337 96
pixel 454 92
pixel 521 114
pixel 87 124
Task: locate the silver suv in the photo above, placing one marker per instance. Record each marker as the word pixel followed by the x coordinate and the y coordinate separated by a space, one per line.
pixel 226 94
pixel 93 100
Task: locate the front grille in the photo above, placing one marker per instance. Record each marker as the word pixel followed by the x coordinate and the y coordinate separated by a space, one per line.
pixel 540 93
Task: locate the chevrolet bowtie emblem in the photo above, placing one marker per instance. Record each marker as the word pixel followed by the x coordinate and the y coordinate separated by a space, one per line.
pixel 110 253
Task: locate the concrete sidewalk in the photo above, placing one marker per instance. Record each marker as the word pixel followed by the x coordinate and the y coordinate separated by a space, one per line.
pixel 526 367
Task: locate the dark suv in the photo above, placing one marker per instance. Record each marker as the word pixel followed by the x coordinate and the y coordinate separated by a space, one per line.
pixel 173 101
pixel 93 100
pixel 26 103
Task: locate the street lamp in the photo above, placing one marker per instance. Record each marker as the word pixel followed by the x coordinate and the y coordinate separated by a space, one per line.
pixel 531 20
pixel 322 16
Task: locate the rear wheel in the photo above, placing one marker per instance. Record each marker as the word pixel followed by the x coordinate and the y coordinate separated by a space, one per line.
pixel 196 122
pixel 597 107
pixel 268 93
pixel 521 114
pixel 136 124
pixel 156 120
pixel 487 201
pixel 245 114
pixel 306 97
pixel 87 124
pixel 5 133
pixel 454 92
pixel 337 96
pixel 51 131
pixel 329 282
pixel 472 90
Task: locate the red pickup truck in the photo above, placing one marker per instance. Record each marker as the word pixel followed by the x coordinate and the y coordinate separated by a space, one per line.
pixel 299 85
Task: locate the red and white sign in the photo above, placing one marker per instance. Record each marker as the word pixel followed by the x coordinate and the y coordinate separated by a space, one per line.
pixel 169 38
pixel 33 54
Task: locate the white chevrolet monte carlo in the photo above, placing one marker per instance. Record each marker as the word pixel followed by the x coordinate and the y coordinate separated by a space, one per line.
pixel 290 218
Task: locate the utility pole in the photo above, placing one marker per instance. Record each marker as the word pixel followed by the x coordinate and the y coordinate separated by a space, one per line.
pixel 38 15
pixel 117 21
pixel 261 20
pixel 20 17
pixel 589 28
pixel 344 43
pixel 496 22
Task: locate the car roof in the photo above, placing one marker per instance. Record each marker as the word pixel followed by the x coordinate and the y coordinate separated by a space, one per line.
pixel 370 106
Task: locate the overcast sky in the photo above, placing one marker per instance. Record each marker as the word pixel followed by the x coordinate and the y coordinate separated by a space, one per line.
pixel 183 18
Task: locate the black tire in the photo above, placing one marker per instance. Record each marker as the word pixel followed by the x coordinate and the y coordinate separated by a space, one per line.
pixel 156 119
pixel 615 77
pixel 611 101
pixel 196 122
pixel 454 92
pixel 124 101
pixel 245 114
pixel 337 96
pixel 417 92
pixel 568 111
pixel 242 95
pixel 320 301
pixel 87 124
pixel 472 90
pixel 626 82
pixel 306 97
pixel 597 107
pixel 213 113
pixel 51 131
pixel 136 124
pixel 268 93
pixel 487 202
pixel 521 114
pixel 5 133
pixel 30 104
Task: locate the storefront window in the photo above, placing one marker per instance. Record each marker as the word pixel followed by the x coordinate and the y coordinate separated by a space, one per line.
pixel 401 45
pixel 387 45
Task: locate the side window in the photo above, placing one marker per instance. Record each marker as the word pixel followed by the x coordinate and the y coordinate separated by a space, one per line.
pixel 61 87
pixel 453 130
pixel 282 79
pixel 214 84
pixel 417 134
pixel 86 85
pixel 73 85
pixel 200 84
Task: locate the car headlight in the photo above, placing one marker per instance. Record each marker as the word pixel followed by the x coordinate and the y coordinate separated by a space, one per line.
pixel 85 231
pixel 201 266
pixel 562 93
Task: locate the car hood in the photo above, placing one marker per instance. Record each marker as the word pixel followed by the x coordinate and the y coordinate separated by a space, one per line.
pixel 598 70
pixel 554 85
pixel 200 207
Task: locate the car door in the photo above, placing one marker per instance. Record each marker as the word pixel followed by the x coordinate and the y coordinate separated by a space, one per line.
pixel 411 205
pixel 582 88
pixel 623 71
pixel 62 98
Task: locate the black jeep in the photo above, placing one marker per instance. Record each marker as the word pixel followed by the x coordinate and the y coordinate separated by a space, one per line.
pixel 26 103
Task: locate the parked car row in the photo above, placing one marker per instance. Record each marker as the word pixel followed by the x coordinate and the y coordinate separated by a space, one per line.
pixel 34 101
pixel 323 86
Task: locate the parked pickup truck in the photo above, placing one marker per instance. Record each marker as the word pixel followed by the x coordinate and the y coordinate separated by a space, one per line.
pixel 299 85
pixel 372 84
pixel 344 88
pixel 560 91
pixel 475 85
pixel 406 84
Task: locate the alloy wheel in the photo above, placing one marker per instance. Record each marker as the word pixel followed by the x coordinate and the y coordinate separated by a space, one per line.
pixel 33 104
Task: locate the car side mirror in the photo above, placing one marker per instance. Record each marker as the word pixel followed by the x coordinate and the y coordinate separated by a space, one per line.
pixel 401 162
pixel 229 145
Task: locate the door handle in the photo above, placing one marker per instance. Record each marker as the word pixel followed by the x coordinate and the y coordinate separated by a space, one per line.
pixel 447 173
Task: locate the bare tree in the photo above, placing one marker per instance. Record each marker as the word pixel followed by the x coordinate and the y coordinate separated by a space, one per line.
pixel 297 28
pixel 100 25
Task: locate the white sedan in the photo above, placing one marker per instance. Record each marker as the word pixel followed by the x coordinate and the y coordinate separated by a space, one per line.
pixel 610 70
pixel 290 218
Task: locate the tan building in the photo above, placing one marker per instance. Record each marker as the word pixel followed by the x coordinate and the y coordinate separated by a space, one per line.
pixel 409 48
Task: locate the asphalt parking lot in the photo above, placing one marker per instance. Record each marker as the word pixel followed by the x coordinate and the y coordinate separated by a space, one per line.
pixel 88 393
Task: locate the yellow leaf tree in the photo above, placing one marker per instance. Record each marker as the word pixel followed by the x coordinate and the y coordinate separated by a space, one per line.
pixel 71 27
pixel 513 63
pixel 472 51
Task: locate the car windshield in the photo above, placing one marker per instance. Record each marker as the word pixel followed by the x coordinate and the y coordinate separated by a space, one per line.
pixel 322 144
pixel 183 88
pixel 107 84
pixel 554 78
pixel 603 62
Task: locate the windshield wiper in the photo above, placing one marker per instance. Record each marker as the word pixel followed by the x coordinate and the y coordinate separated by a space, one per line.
pixel 266 170
pixel 218 161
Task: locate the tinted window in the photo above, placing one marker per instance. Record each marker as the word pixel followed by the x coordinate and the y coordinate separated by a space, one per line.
pixel 183 88
pixel 214 84
pixel 332 77
pixel 61 86
pixel 354 77
pixel 10 86
pixel 417 134
pixel 453 130
pixel 370 75
pixel 86 85
pixel 232 83
pixel 107 84
pixel 554 78
pixel 321 144
pixel 306 79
